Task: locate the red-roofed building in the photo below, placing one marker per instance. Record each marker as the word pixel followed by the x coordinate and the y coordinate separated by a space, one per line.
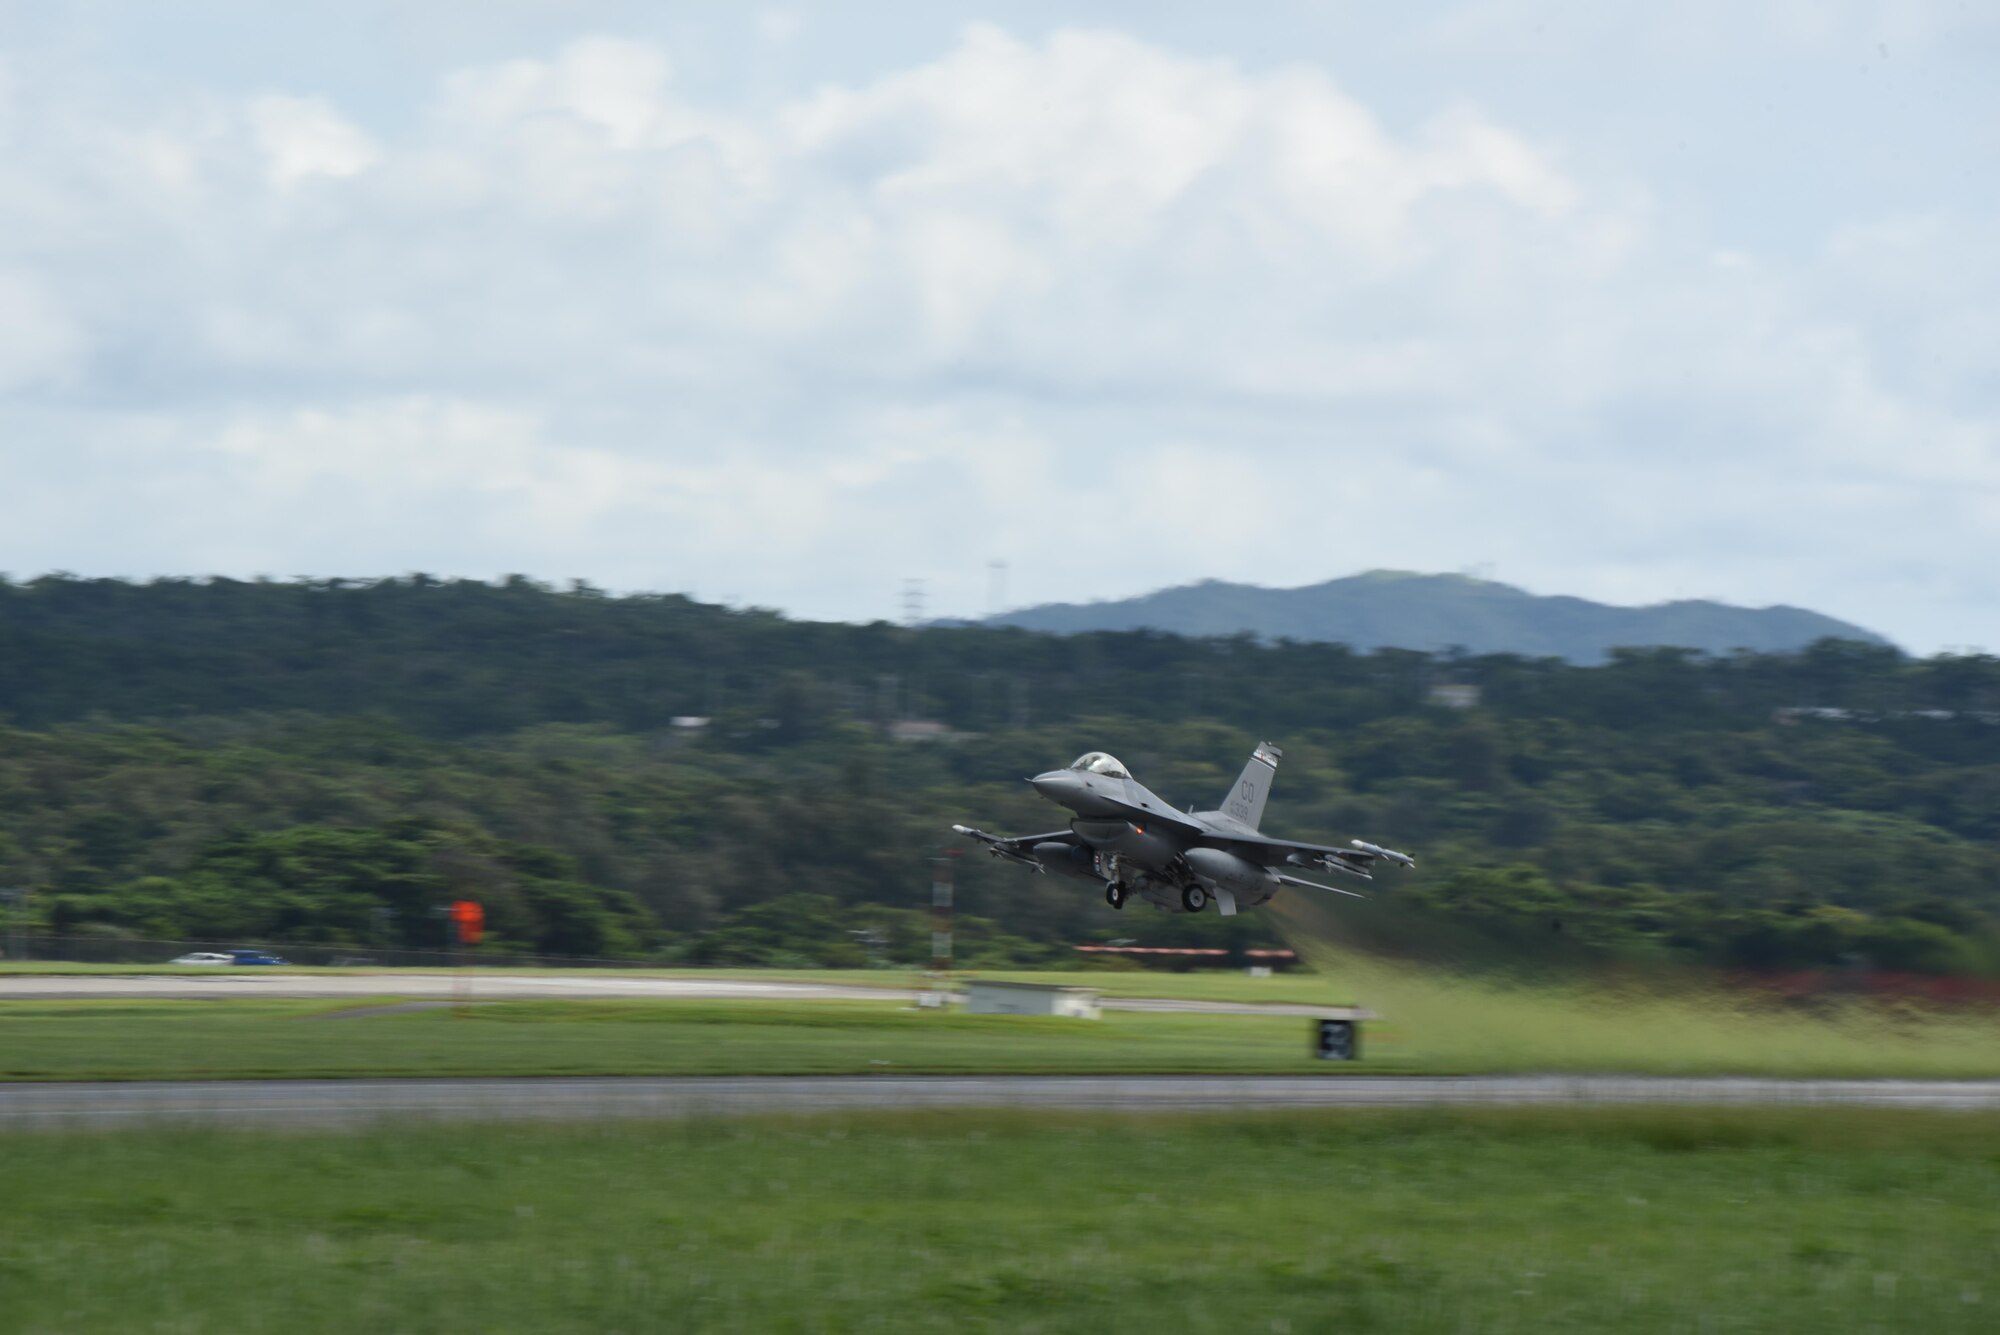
pixel 1194 957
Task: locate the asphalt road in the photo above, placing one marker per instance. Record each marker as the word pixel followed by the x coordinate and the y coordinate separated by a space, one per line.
pixel 347 1103
pixel 225 983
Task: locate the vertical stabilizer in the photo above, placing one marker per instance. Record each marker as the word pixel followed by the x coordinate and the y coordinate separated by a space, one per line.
pixel 1246 800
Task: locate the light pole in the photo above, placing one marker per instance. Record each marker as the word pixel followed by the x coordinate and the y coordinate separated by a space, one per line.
pixel 941 927
pixel 17 912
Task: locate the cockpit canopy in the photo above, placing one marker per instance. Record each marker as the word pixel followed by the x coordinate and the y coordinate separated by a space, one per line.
pixel 1098 762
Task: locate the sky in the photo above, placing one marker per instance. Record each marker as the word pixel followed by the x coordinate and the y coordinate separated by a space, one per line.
pixel 788 306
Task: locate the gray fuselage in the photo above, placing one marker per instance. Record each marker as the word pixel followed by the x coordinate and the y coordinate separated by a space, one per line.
pixel 1143 843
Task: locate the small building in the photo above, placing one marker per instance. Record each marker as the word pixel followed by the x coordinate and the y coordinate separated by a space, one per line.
pixel 920 730
pixel 991 997
pixel 1455 695
pixel 1182 958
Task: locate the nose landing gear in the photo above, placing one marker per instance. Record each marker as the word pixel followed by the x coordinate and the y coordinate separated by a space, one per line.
pixel 1114 895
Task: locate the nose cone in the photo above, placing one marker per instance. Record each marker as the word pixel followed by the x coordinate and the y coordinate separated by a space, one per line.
pixel 1058 785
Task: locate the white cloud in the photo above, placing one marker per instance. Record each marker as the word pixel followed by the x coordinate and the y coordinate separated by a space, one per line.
pixel 567 314
pixel 39 341
pixel 301 137
pixel 779 25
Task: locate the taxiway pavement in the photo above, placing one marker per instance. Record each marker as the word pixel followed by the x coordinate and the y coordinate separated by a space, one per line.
pixel 347 1103
pixel 224 983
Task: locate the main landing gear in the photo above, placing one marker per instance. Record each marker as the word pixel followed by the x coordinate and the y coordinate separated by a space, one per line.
pixel 1114 895
pixel 1193 898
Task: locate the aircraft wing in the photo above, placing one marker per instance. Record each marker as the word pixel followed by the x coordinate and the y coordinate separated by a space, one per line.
pixel 1357 860
pixel 1015 849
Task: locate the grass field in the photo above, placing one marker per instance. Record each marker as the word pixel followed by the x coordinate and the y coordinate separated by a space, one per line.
pixel 1471 1023
pixel 1831 1220
pixel 84 1040
pixel 1433 1022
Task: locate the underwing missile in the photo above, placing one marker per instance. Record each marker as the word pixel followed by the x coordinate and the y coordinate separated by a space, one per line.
pixel 1331 862
pixel 996 848
pixel 1391 854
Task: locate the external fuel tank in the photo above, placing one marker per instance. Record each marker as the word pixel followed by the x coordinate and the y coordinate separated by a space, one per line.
pixel 1134 843
pixel 1239 876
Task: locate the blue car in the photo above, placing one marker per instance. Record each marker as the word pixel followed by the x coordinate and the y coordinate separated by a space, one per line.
pixel 253 957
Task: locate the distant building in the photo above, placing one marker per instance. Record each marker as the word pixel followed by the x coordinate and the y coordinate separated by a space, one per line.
pixel 988 997
pixel 690 722
pixel 1824 713
pixel 1794 714
pixel 1455 696
pixel 1193 957
pixel 919 730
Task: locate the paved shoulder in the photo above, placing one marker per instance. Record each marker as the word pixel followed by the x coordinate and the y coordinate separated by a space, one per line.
pixel 357 1102
pixel 206 985
pixel 226 983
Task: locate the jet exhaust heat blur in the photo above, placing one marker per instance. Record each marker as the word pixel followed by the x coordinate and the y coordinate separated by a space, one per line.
pixel 1126 838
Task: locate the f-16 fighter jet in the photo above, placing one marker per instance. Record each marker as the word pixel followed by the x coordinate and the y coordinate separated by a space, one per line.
pixel 1127 839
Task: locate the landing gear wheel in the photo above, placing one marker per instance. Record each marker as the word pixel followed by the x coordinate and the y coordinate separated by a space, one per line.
pixel 1194 899
pixel 1114 895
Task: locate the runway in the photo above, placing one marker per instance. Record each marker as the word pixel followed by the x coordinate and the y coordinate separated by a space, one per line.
pixel 346 1103
pixel 350 1103
pixel 226 984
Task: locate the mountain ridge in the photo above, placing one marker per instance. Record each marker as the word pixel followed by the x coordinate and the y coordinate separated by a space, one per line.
pixel 1408 610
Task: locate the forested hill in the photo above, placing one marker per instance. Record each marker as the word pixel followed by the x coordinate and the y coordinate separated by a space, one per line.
pixel 329 761
pixel 465 658
pixel 1400 610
